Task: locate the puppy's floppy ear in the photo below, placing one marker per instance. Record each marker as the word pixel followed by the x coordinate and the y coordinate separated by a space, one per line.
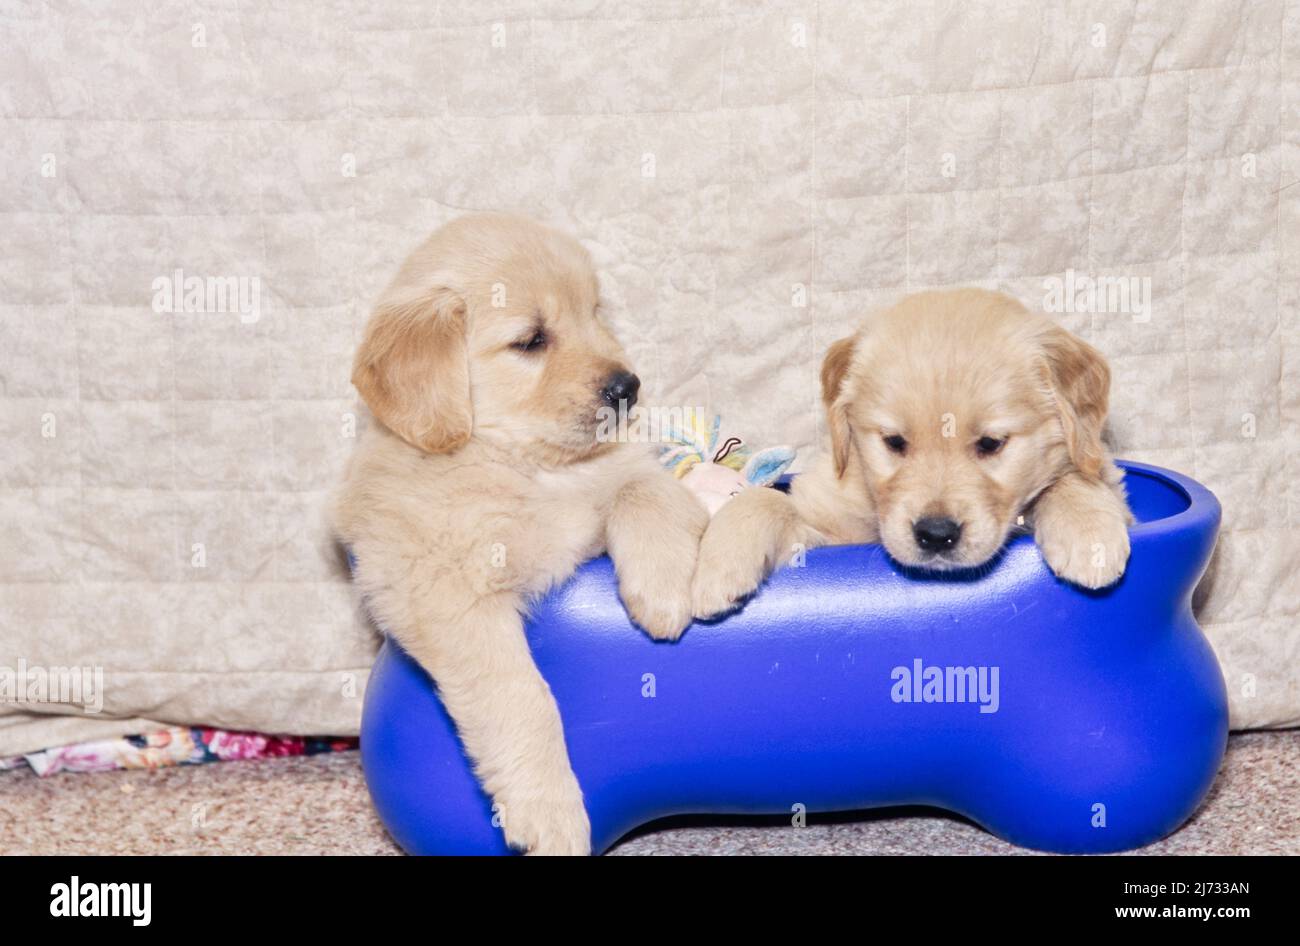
pixel 412 368
pixel 834 369
pixel 1080 384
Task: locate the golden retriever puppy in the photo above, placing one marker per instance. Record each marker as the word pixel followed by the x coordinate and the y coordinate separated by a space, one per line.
pixel 486 481
pixel 954 417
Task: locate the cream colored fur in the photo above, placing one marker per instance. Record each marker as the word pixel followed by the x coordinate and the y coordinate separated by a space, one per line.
pixel 941 370
pixel 484 484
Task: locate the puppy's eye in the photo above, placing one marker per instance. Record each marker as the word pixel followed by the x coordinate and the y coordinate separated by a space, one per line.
pixel 533 342
pixel 987 446
pixel 895 443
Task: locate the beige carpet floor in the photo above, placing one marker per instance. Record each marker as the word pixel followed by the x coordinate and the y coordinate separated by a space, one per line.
pixel 318 805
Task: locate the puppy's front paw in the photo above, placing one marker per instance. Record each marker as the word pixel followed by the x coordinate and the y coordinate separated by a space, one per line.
pixel 547 819
pixel 1088 553
pixel 654 537
pixel 725 575
pixel 658 602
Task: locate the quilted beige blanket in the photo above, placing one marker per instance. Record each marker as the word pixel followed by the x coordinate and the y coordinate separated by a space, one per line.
pixel 200 199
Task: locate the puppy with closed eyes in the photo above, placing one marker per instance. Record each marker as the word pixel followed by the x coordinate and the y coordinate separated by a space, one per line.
pixel 485 481
pixel 951 415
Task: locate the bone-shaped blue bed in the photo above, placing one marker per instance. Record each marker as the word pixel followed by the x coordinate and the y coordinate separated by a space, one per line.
pixel 1056 718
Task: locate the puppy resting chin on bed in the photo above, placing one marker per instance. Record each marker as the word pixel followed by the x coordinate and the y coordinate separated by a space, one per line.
pixel 951 415
pixel 485 482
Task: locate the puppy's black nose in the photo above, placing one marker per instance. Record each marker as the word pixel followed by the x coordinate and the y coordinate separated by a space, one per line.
pixel 936 533
pixel 621 386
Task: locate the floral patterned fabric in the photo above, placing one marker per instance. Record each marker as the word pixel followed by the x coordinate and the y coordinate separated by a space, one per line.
pixel 178 745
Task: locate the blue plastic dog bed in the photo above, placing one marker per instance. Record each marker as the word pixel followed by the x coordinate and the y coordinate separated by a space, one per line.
pixel 1058 719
